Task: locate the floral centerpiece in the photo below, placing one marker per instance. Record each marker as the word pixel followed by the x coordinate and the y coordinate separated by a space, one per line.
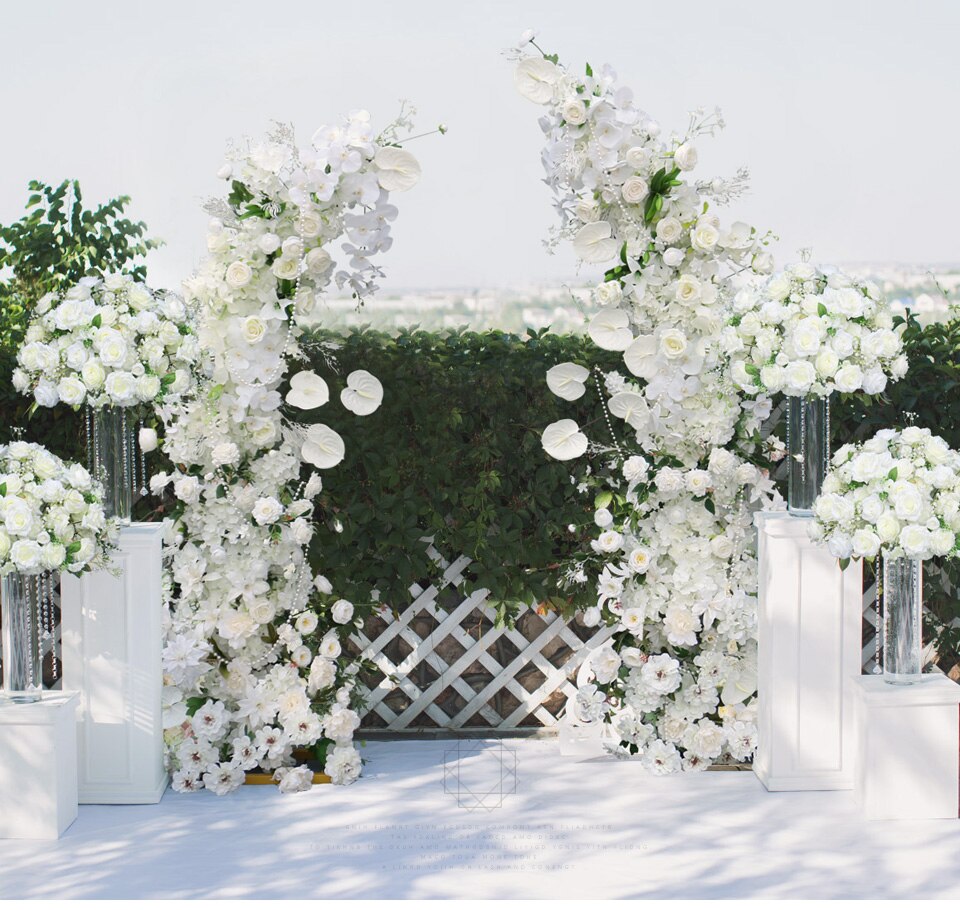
pixel 117 347
pixel 51 520
pixel 254 663
pixel 675 462
pixel 807 333
pixel 896 495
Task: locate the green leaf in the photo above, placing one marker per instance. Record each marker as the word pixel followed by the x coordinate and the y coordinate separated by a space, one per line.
pixel 602 500
pixel 893 474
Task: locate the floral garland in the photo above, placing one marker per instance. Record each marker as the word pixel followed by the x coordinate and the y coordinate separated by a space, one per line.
pixel 253 660
pixel 672 563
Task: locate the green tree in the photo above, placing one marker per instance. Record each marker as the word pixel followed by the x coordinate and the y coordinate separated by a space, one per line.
pixel 55 244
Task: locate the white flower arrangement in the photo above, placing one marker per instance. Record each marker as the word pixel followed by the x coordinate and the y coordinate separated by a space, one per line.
pixel 897 493
pixel 51 517
pixel 672 563
pixel 805 332
pixel 108 342
pixel 253 662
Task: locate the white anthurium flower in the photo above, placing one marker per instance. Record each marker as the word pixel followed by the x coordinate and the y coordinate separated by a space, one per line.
pixel 308 391
pixel 610 329
pixel 629 406
pixel 363 394
pixel 566 380
pixel 535 78
pixel 397 169
pixel 741 684
pixel 595 242
pixel 322 447
pixel 641 357
pixel 563 440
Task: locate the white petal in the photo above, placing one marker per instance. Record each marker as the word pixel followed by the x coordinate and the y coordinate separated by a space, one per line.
pixel 610 329
pixel 323 447
pixel 628 406
pixel 563 440
pixel 397 169
pixel 363 393
pixel 566 380
pixel 535 77
pixel 593 242
pixel 640 357
pixel 308 390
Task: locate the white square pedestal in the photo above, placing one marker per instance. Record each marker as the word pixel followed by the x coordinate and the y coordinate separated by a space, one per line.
pixel 907 748
pixel 38 767
pixel 112 641
pixel 810 616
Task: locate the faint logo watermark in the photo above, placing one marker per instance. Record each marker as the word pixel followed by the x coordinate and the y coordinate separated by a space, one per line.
pixel 479 773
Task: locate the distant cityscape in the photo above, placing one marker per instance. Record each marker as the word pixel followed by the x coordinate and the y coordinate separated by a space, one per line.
pixel 930 291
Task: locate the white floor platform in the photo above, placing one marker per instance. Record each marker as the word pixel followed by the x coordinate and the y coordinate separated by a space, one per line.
pixel 599 828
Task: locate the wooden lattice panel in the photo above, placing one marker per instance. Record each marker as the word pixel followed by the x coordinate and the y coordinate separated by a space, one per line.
pixel 444 664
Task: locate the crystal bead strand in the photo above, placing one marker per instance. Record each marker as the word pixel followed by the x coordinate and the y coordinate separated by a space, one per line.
pixel 877 668
pixel 89 428
pixel 126 479
pixel 53 627
pixel 36 599
pixel 803 442
pixel 143 465
pixel 826 438
pixel 606 412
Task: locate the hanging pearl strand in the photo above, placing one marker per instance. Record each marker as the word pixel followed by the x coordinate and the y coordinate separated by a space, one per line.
pixel 606 411
pixel 877 667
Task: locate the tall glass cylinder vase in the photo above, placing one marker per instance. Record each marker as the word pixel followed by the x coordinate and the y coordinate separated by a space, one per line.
pixel 808 445
pixel 113 460
pixel 903 620
pixel 20 624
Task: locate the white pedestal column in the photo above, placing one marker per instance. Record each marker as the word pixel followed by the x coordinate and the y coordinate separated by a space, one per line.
pixel 810 616
pixel 907 741
pixel 38 767
pixel 112 641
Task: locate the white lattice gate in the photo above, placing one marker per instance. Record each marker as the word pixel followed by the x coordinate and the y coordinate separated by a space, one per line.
pixel 444 664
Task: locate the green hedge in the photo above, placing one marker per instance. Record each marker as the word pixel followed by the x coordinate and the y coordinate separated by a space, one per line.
pixel 454 454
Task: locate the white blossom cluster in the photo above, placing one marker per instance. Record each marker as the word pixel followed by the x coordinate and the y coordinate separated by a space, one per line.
pixel 673 563
pixel 51 514
pixel 253 660
pixel 625 200
pixel 109 342
pixel 897 493
pixel 805 332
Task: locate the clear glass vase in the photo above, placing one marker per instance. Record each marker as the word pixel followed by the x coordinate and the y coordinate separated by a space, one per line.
pixel 20 597
pixel 808 447
pixel 114 452
pixel 902 620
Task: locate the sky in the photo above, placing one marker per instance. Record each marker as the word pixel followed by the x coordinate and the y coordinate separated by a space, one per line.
pixel 845 113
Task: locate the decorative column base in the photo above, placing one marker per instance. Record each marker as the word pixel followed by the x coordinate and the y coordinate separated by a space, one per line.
pixel 810 616
pixel 907 737
pixel 38 767
pixel 112 639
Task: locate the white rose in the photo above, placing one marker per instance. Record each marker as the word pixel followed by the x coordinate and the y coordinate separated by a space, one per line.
pixel 342 611
pixel 848 378
pixel 798 376
pixel 827 363
pixel 93 374
pixel 18 517
pixel 688 289
pixel 685 157
pixel 865 543
pixel 148 387
pixel 574 112
pixel 704 236
pixel 916 542
pixel 943 540
pixel 267 510
pixel 639 560
pixel 122 388
pixel 268 243
pixel 608 542
pixel 112 348
pixel 187 488
pixel 634 190
pixel 71 391
pixel 673 344
pixel 147 438
pixel 25 555
pixel 253 329
pixel 888 528
pixel 286 268
pixel 238 274
pixel 807 337
pixel 772 377
pixel 46 394
pixel 225 453
pixel 669 229
pixel 602 518
pixel 317 260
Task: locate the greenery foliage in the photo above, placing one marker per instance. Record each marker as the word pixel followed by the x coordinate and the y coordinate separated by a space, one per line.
pixel 454 454
pixel 55 244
